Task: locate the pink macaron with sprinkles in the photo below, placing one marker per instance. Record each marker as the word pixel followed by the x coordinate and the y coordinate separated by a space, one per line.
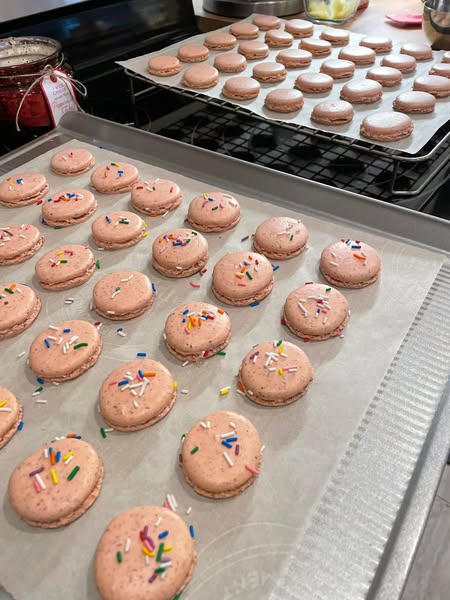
pixel 350 264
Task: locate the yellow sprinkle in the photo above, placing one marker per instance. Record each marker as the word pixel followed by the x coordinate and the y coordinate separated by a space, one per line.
pixel 147 551
pixel 68 455
pixel 3 403
pixel 225 391
pixel 144 234
pixel 280 349
pixel 167 548
pixel 59 253
pixel 189 325
pixel 175 385
pixel 54 476
pixel 280 371
pixel 144 223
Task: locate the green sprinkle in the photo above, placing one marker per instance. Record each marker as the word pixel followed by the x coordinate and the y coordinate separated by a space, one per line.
pixel 193 233
pixel 221 353
pixel 38 390
pixel 215 208
pixel 97 264
pixel 194 450
pixel 153 188
pixel 183 436
pixel 291 238
pixel 72 474
pixel 9 291
pixel 117 289
pixel 160 570
pixel 188 240
pixel 328 289
pixel 80 345
pixel 178 596
pixel 248 275
pixel 279 342
pixel 160 551
pixel 103 432
pixel 57 227
pixel 119 557
pixel 63 261
pixel 125 222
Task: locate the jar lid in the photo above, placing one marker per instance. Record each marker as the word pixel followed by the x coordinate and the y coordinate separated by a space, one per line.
pixel 31 51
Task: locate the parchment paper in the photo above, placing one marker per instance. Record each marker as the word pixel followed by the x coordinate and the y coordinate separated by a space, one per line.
pixel 242 542
pixel 424 125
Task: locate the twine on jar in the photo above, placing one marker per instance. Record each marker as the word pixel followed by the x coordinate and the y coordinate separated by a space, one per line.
pixel 48 70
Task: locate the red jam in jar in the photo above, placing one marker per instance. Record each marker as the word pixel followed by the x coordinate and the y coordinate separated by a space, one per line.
pixel 22 61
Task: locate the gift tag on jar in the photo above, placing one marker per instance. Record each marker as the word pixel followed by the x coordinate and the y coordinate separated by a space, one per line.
pixel 59 93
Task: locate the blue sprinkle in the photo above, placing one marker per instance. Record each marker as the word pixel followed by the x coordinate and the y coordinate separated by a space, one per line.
pixel 77 437
pixel 123 382
pixel 347 241
pixel 356 246
pixel 163 534
pixel 185 312
pixel 40 380
pixel 66 330
pixel 70 195
pixel 108 219
pixel 177 243
pixel 154 288
pixel 58 456
pixel 120 173
pixel 225 443
pixel 141 374
pixel 232 439
pixel 255 303
pixel 120 329
pixel 318 311
pixel 191 531
pixel 141 354
pixel 50 449
pixel 275 267
pixel 43 221
pixel 20 426
pixel 183 320
pixel 47 343
pixel 49 199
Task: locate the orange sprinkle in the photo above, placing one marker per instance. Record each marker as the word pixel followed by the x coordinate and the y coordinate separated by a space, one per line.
pixel 199 321
pixel 71 435
pixel 151 374
pixel 53 457
pixel 12 286
pixel 204 312
pixel 220 311
pixel 243 270
pixel 250 257
pixel 359 256
pixel 192 320
pixel 240 386
pixel 342 240
pixel 153 214
pixel 239 276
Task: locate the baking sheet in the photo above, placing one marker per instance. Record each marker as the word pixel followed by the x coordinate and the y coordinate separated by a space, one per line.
pixel 243 543
pixel 425 126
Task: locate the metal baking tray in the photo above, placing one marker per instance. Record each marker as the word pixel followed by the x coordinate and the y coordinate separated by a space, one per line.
pixel 365 527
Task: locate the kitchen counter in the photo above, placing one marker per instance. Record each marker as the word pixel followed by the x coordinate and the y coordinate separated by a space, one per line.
pixel 369 20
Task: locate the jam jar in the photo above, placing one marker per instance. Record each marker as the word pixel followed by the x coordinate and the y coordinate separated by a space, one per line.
pixel 22 61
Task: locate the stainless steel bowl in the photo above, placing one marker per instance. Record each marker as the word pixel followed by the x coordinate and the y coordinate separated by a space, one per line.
pixel 244 8
pixel 436 23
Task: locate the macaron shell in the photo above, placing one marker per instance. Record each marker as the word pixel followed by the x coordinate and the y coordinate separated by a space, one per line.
pixel 156 196
pixel 18 310
pixel 378 44
pixel 299 28
pixel 193 53
pixel 214 212
pixel 387 126
pixel 269 72
pixel 267 385
pixel 114 178
pixel 52 363
pixel 164 65
pixel 419 51
pixel 273 238
pixel 442 69
pixel 302 320
pixel 338 68
pixel 347 267
pixel 69 207
pixel 316 46
pixel 358 54
pixel 275 38
pixel 252 50
pixel 241 88
pixel 59 504
pixel 220 41
pixel 22 189
pixel 414 102
pixel 332 112
pixel 363 91
pixel 402 62
pixel 294 58
pixel 72 161
pixel 244 31
pixel 314 83
pixel 79 267
pixel 284 100
pixel 265 22
pixel 129 580
pixel 387 76
pixel 207 470
pixel 200 77
pixel 18 243
pixel 174 256
pixel 189 334
pixel 127 412
pixel 123 295
pixel 117 229
pixel 434 84
pixel 336 37
pixel 10 416
pixel 242 285
pixel 230 62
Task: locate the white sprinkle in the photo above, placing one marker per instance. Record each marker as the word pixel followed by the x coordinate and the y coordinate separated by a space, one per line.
pixel 64 349
pixel 91 306
pixel 227 435
pixel 114 294
pixel 203 424
pixel 127 278
pixel 67 461
pixel 144 385
pixel 124 387
pixel 18 290
pixel 158 522
pixel 208 423
pixel 228 459
pixel 174 501
pixel 305 312
pixel 40 481
pixel 185 391
pixel 68 301
pixel 35 394
pixel 21 354
pixel 363 253
pixel 136 385
pixel 189 510
pixel 53 327
pixel 170 503
pixel 254 359
pixel 133 393
pixel 109 430
pixel 128 545
pixel 333 254
pixel 136 404
pixel 232 425
pixel 45 452
pixel 55 382
pixel 272 369
pixel 186 362
pixel 147 559
pixel 166 565
pixel 240 392
pixel 283 355
pixel 333 264
pixel 122 333
pixel 5 409
pixel 73 339
pixel 52 337
pixel 262 449
pixel 325 319
pixel 250 392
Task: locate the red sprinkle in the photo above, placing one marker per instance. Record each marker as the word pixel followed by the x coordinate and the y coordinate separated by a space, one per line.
pixel 283 321
pixel 139 187
pixel 39 202
pixel 194 285
pixel 309 282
